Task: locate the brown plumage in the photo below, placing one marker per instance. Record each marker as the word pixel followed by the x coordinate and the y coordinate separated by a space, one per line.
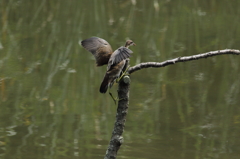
pixel 115 66
pixel 103 54
pixel 111 75
pixel 100 49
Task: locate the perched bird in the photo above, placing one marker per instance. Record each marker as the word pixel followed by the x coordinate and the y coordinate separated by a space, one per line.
pixel 115 65
pixel 103 54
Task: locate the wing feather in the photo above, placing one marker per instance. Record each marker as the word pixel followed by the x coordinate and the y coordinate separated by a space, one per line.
pixel 120 54
pixel 100 49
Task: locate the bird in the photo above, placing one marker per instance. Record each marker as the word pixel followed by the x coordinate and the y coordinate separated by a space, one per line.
pixel 115 65
pixel 102 51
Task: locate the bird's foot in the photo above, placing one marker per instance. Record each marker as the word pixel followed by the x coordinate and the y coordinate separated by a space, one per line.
pixel 123 74
pixel 116 99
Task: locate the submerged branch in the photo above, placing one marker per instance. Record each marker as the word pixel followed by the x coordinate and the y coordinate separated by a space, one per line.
pixel 181 59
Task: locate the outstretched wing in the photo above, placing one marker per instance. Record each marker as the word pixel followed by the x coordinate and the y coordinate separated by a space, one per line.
pixel 100 49
pixel 120 54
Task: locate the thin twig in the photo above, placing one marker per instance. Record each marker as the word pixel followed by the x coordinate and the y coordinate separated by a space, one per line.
pixel 181 59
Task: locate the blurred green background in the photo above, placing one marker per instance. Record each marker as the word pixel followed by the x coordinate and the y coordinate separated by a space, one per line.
pixel 50 105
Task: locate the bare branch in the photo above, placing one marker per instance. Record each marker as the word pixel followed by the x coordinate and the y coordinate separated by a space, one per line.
pixel 181 59
pixel 122 109
pixel 123 95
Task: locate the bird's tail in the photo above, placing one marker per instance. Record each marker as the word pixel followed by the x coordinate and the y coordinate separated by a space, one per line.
pixel 104 85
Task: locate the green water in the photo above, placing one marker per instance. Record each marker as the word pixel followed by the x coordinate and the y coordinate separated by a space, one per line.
pixel 50 105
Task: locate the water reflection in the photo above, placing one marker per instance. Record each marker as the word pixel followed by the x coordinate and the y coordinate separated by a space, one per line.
pixel 49 99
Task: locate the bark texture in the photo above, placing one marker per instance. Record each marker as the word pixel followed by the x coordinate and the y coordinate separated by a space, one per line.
pixel 117 139
pixel 182 59
pixel 123 95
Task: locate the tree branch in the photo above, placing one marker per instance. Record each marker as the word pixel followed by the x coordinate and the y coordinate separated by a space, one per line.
pixel 123 95
pixel 117 139
pixel 181 59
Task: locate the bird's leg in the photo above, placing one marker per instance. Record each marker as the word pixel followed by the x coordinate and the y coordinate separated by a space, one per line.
pixel 114 99
pixel 123 74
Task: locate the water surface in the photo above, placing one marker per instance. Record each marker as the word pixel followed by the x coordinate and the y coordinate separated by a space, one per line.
pixel 50 106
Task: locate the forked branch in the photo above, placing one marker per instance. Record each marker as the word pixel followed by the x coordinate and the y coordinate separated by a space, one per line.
pixel 123 95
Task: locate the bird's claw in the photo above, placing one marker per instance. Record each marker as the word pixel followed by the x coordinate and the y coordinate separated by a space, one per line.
pixel 123 74
pixel 115 99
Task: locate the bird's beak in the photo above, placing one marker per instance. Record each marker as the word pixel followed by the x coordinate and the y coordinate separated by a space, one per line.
pixel 134 44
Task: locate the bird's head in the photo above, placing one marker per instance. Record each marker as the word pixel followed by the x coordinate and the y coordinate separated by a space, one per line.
pixel 129 43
